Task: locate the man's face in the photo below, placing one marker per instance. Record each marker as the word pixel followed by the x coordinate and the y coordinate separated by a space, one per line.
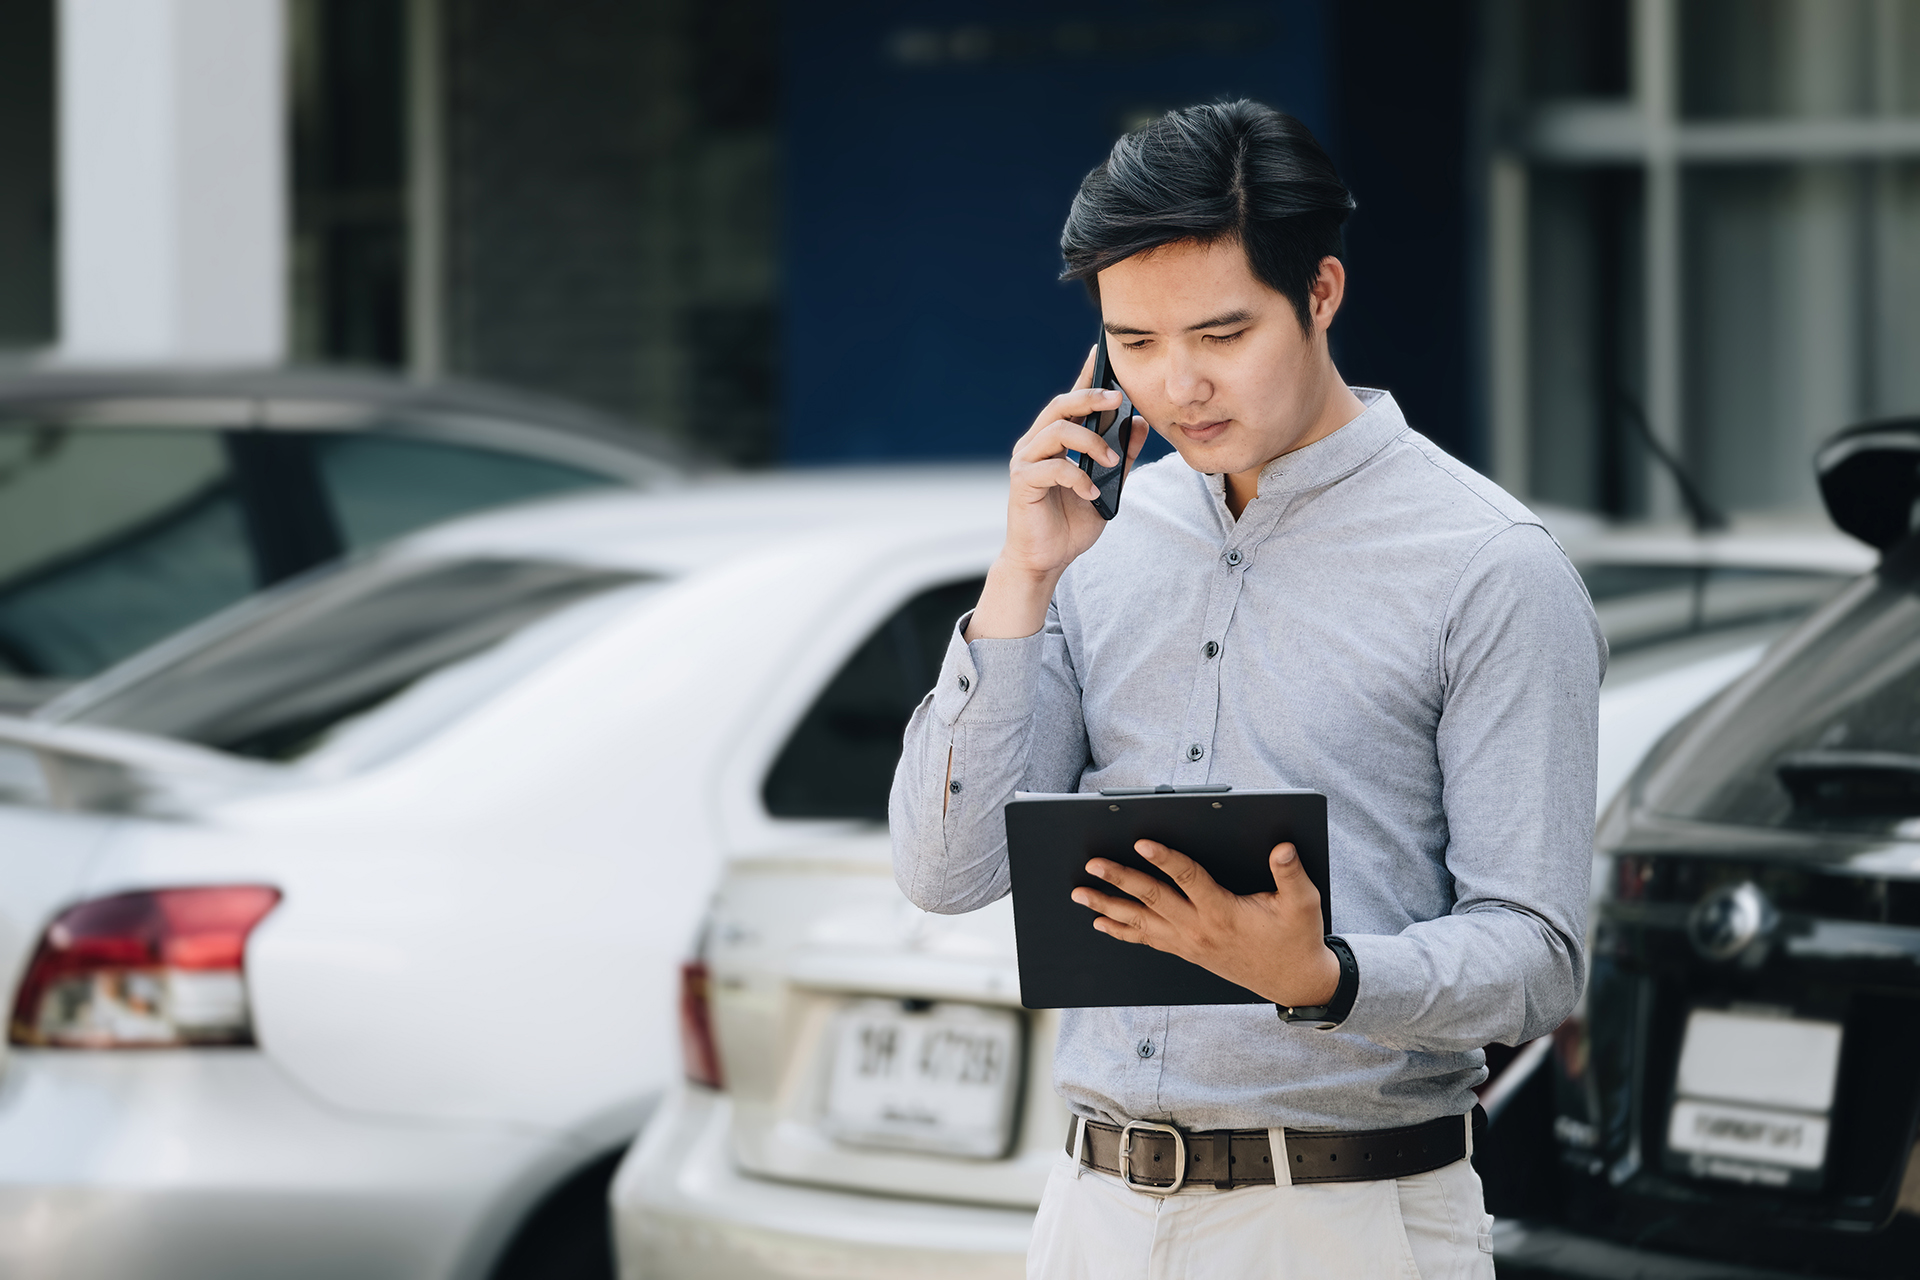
pixel 1213 359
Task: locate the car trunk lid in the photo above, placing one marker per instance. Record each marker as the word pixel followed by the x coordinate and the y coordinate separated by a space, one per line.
pixel 873 1046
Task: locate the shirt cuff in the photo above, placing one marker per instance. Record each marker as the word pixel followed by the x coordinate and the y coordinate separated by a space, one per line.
pixel 988 680
pixel 1393 987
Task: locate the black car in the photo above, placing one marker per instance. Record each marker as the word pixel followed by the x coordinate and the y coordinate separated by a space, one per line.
pixel 135 503
pixel 1740 1092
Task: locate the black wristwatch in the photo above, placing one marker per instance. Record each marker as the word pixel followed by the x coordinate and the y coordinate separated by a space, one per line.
pixel 1335 1011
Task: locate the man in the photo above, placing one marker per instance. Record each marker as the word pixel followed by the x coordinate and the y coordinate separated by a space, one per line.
pixel 1309 595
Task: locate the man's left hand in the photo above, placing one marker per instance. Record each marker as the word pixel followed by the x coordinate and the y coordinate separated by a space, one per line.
pixel 1270 943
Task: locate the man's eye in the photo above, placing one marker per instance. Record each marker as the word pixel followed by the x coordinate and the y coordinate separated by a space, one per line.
pixel 1225 337
pixel 1136 344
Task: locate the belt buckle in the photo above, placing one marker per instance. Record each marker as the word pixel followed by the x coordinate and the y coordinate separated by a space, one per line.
pixel 1179 1156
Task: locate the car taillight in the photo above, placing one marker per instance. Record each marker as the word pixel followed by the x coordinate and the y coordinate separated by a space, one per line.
pixel 155 969
pixel 1570 1046
pixel 1632 876
pixel 697 1046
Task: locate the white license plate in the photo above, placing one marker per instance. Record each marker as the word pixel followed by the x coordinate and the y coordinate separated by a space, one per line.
pixel 943 1079
pixel 1753 1092
pixel 1797 1141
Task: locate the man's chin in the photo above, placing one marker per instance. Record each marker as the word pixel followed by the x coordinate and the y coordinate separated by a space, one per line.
pixel 1214 457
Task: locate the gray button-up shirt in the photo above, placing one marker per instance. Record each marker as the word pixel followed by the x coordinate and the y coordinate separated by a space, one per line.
pixel 1382 625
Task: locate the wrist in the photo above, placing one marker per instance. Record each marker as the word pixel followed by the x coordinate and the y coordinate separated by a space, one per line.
pixel 1014 603
pixel 1338 995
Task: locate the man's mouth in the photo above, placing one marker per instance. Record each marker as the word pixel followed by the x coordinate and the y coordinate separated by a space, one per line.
pixel 1203 432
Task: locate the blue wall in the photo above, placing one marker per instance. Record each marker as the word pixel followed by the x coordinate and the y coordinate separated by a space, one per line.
pixel 931 152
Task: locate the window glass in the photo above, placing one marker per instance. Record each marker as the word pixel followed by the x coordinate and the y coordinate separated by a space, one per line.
pixel 27 168
pixel 109 540
pixel 1783 345
pixel 839 762
pixel 276 681
pixel 1793 251
pixel 1830 741
pixel 1576 49
pixel 1784 57
pixel 1642 604
pixel 1586 339
pixel 384 486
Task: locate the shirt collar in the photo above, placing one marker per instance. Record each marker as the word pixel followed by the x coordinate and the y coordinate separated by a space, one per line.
pixel 1331 457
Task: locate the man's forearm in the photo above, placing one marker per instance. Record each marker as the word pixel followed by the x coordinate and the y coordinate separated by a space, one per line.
pixel 1013 604
pixel 1465 980
pixel 1004 714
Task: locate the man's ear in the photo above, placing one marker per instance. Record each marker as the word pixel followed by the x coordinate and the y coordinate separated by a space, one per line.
pixel 1328 292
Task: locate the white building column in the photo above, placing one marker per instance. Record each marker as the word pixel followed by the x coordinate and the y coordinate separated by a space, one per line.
pixel 173 218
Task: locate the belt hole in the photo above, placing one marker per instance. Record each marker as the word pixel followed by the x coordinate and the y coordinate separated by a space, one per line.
pixel 1332 1156
pixel 1298 1159
pixel 1266 1159
pixel 1366 1155
pixel 1233 1159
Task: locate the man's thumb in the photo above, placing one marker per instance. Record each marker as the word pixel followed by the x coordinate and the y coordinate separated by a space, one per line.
pixel 1284 861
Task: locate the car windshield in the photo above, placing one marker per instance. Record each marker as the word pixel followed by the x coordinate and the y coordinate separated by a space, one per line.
pixel 1829 739
pixel 274 681
pixel 1646 604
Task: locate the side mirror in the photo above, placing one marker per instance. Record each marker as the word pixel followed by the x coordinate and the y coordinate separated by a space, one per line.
pixel 1870 479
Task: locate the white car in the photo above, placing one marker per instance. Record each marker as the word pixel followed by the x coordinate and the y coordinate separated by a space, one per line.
pixel 343 931
pixel 866 1095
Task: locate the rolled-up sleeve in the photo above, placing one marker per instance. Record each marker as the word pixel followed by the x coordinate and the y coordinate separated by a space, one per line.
pixel 1004 716
pixel 1520 659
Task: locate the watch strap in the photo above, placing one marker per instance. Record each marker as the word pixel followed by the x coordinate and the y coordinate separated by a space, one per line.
pixel 1335 1011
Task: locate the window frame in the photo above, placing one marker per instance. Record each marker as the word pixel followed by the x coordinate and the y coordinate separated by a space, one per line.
pixel 1645 132
pixel 845 602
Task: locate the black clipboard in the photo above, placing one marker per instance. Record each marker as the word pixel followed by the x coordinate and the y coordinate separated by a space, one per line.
pixel 1065 963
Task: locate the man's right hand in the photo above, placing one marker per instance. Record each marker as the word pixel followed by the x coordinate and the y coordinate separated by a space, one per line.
pixel 1050 515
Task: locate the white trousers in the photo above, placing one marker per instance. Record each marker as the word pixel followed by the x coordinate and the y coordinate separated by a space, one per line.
pixel 1432 1226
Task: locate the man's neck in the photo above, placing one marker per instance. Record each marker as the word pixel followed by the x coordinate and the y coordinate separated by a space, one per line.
pixel 1339 407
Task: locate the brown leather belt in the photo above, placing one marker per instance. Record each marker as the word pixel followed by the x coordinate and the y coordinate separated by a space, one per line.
pixel 1150 1156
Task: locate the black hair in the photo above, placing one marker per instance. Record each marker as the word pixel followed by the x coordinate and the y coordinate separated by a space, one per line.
pixel 1222 171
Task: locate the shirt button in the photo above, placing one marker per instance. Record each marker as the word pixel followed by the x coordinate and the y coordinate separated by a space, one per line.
pixel 1195 751
pixel 1233 556
pixel 954 786
pixel 965 684
pixel 1146 1048
pixel 1212 649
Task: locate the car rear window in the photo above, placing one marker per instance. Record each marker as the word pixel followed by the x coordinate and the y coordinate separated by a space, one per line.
pixel 111 538
pixel 383 486
pixel 839 762
pixel 1829 739
pixel 115 536
pixel 277 678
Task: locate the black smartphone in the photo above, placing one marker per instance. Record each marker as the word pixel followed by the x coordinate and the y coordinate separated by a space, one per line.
pixel 1115 426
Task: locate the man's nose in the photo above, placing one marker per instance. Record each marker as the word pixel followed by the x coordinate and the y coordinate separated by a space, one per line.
pixel 1187 384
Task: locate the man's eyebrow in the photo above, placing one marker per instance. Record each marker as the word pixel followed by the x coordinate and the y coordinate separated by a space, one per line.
pixel 1217 322
pixel 1222 320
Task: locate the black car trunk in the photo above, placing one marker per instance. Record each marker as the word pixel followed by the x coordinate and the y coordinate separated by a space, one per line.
pixel 1828 948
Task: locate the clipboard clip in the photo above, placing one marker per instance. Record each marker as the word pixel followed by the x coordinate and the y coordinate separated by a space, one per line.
pixel 1168 789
